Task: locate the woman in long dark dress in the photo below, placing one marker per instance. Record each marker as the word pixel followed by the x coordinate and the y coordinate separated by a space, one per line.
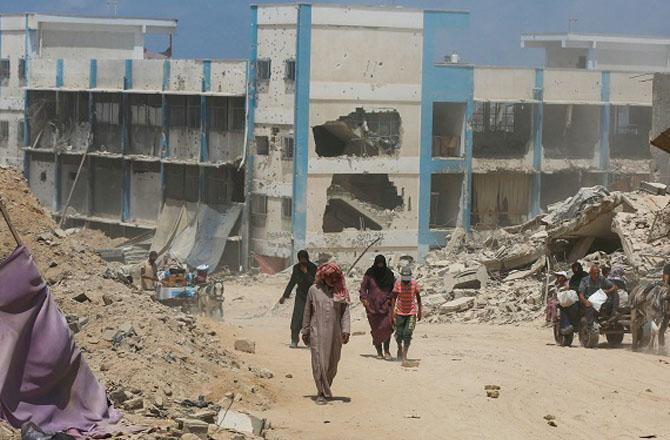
pixel 376 293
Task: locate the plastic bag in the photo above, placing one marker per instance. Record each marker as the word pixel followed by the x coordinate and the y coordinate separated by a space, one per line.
pixel 566 298
pixel 598 299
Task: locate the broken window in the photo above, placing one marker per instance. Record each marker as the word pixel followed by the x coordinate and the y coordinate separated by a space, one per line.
pixel 500 199
pixel 360 133
pixel 570 130
pixel 360 201
pixel 289 70
pixel 556 187
pixel 262 145
pixel 218 113
pixel 629 132
pixel 146 124
pixel 182 182
pixel 185 111
pixel 286 208
pixel 22 72
pixel 4 72
pixel 59 119
pixel 263 69
pixel 287 148
pixel 20 131
pixel 448 120
pixel 238 112
pixel 259 209
pixel 107 130
pixel 4 134
pixel 445 200
pixel 501 129
pixel 218 184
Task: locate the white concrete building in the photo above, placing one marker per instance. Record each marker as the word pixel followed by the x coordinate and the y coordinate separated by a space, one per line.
pixel 27 38
pixel 601 51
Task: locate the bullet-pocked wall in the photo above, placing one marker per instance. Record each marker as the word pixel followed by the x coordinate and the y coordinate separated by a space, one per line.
pixel 273 143
pixel 364 128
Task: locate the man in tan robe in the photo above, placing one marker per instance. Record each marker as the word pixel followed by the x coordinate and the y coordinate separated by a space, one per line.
pixel 149 272
pixel 326 326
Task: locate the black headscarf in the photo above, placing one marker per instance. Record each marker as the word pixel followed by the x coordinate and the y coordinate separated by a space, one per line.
pixel 303 253
pixel 382 275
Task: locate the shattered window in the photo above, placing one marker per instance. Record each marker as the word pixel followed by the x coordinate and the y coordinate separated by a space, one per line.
pixel 259 209
pixel 494 117
pixel 263 69
pixel 289 70
pixel 218 114
pixel 286 208
pixel 239 117
pixel 20 128
pixel 107 112
pixel 4 71
pixel 287 148
pixel 4 132
pixel 22 71
pixel 193 112
pixel 262 145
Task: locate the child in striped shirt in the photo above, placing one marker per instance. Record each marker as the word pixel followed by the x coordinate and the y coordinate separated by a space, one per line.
pixel 406 305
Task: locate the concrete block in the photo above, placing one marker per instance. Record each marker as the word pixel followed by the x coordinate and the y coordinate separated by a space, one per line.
pixel 240 422
pixel 458 305
pixel 245 345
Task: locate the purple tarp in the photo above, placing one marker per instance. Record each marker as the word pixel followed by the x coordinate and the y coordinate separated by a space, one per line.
pixel 43 376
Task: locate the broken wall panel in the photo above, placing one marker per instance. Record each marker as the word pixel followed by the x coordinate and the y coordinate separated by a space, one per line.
pixel 501 199
pixel 361 133
pixel 445 200
pixel 570 130
pixel 625 182
pixel 501 130
pixel 42 177
pixel 630 127
pixel 145 124
pixel 79 203
pixel 184 126
pixel 107 135
pixel 218 185
pixel 59 120
pixel 182 182
pixel 226 128
pixel 145 184
pixel 107 188
pixel 360 201
pixel 448 125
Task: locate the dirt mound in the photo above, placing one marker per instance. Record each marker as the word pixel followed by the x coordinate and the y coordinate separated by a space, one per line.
pixel 136 346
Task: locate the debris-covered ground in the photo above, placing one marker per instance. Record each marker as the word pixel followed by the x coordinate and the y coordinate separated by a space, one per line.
pixel 155 361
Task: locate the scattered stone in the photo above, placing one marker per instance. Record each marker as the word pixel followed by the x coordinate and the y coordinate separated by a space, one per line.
pixel 458 305
pixel 289 376
pixel 552 423
pixel 134 403
pixel 549 417
pixel 194 426
pixel 245 345
pixel 241 422
pixel 107 299
pixel 118 396
pixel 204 415
pixel 59 233
pixel 264 373
pixel 189 436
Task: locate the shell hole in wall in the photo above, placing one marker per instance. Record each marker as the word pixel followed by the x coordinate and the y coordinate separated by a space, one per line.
pixel 361 202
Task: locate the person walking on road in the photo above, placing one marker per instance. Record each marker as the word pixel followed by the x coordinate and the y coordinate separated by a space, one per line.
pixel 406 310
pixel 303 275
pixel 326 326
pixel 376 294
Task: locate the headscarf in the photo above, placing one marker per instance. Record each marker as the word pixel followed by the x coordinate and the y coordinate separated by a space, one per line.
pixel 382 275
pixel 333 272
pixel 303 253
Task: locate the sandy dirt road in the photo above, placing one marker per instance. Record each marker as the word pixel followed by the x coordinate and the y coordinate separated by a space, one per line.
pixel 593 394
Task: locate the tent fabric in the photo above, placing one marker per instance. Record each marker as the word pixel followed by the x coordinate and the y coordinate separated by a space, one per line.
pixel 43 376
pixel 195 233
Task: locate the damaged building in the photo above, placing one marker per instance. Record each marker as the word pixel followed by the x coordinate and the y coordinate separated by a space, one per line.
pixel 401 146
pixel 144 144
pixel 328 144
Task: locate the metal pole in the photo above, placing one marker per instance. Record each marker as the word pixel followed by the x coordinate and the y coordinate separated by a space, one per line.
pixel 63 216
pixel 8 220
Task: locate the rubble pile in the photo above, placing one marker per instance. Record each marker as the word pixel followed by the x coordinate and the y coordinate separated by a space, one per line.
pixel 154 361
pixel 503 276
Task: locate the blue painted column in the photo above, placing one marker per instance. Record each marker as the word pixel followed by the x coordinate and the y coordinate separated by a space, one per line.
pixel 249 135
pixel 204 111
pixel 538 120
pixel 93 74
pixel 26 100
pixel 126 165
pixel 165 132
pixel 605 126
pixel 301 123
pixel 59 72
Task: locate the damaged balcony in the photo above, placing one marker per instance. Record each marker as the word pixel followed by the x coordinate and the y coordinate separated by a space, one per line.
pixel 629 132
pixel 570 131
pixel 502 130
pixel 360 202
pixel 360 134
pixel 59 120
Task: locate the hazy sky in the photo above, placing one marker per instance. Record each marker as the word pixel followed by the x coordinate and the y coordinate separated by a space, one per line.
pixel 220 28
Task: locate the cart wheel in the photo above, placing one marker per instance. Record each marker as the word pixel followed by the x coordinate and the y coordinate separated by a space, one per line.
pixel 615 339
pixel 588 336
pixel 562 340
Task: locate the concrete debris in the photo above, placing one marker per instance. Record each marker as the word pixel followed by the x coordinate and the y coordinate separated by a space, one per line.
pixel 457 305
pixel 241 422
pixel 654 188
pixel 245 345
